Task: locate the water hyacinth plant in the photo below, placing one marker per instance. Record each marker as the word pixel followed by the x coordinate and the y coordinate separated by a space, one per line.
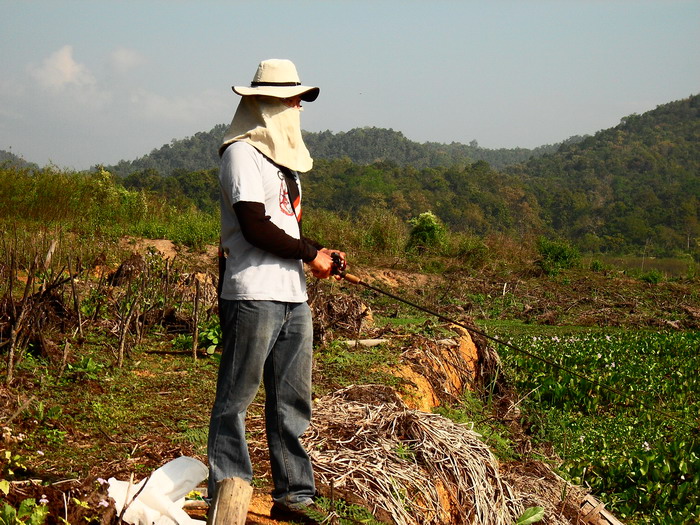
pixel 630 434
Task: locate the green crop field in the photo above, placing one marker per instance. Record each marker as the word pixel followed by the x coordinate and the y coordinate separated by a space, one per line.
pixel 631 433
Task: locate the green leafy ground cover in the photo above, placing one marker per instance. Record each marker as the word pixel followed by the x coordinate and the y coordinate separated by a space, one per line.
pixel 632 436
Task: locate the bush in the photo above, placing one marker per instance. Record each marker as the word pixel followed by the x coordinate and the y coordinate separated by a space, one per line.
pixel 329 229
pixel 471 251
pixel 382 231
pixel 596 266
pixel 556 256
pixel 428 234
pixel 653 276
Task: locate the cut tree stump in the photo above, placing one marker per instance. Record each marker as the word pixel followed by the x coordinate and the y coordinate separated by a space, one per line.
pixel 230 505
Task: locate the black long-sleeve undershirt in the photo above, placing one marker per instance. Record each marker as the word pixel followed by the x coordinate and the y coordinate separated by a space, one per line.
pixel 261 232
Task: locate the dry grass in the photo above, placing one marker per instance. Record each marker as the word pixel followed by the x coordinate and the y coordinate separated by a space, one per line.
pixel 411 466
pixel 415 468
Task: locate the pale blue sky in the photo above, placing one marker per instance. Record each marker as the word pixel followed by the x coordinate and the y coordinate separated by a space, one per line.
pixel 87 82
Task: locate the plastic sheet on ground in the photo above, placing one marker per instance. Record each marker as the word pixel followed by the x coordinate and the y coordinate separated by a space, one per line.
pixel 158 499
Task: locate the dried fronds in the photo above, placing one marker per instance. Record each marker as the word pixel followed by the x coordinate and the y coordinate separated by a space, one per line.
pixel 345 314
pixel 538 486
pixel 415 467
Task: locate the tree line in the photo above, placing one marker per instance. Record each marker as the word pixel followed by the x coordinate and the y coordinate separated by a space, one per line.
pixel 633 188
pixel 360 146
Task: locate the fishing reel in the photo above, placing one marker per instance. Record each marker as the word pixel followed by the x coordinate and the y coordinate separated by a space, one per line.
pixel 339 264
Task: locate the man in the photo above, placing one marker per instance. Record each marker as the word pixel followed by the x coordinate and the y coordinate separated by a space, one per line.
pixel 265 319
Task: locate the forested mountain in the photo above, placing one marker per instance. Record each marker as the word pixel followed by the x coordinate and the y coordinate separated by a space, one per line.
pixel 631 188
pixel 360 145
pixel 198 152
pixel 472 198
pixel 637 184
pixel 370 145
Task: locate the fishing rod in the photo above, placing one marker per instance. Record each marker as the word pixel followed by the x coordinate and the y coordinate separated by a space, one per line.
pixel 339 269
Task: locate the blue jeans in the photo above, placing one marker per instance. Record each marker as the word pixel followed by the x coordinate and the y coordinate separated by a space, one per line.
pixel 271 341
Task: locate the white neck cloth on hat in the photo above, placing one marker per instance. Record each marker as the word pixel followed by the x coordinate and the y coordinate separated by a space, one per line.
pixel 272 128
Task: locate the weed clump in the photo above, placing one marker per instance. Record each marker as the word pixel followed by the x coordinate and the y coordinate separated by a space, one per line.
pixel 556 256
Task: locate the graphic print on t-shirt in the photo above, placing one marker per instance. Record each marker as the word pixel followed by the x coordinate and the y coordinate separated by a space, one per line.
pixel 285 204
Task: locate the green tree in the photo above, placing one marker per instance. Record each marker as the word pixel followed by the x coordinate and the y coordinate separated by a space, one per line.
pixel 428 233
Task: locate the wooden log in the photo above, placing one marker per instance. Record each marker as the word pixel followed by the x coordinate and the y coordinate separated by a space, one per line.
pixel 592 511
pixel 230 505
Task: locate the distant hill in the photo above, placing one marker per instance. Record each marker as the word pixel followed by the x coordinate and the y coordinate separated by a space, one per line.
pixel 637 184
pixel 633 188
pixel 10 159
pixel 360 145
pixel 370 145
pixel 195 153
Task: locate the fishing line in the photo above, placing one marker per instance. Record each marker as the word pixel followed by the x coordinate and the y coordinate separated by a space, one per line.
pixel 339 269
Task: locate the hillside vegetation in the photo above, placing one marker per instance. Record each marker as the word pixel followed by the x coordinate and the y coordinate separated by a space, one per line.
pixel 10 159
pixel 360 146
pixel 94 205
pixel 637 184
pixel 631 189
pixel 371 145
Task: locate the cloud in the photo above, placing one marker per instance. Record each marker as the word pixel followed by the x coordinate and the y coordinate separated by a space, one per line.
pixel 190 108
pixel 123 59
pixel 60 69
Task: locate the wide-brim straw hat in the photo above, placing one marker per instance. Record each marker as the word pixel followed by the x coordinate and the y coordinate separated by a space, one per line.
pixel 278 78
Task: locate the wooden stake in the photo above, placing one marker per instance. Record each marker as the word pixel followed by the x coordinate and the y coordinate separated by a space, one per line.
pixel 230 505
pixel 195 335
pixel 76 300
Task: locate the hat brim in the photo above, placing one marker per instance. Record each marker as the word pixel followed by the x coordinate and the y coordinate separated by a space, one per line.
pixel 307 93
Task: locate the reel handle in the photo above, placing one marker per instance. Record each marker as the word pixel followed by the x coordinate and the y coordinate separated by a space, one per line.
pixel 339 265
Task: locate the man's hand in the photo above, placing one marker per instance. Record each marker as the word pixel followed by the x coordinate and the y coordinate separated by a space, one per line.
pixel 322 265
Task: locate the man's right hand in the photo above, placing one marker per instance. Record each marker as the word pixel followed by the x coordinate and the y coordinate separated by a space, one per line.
pixel 322 265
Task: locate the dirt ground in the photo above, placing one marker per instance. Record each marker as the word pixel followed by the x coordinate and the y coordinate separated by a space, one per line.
pixel 76 491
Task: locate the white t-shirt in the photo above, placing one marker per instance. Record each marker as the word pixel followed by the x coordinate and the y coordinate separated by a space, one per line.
pixel 251 273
